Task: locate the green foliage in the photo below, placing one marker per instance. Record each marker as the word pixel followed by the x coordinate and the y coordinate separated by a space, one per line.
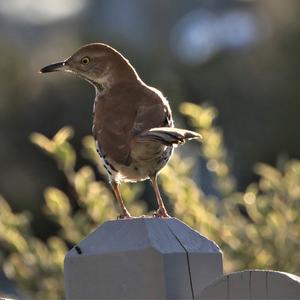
pixel 35 265
pixel 259 228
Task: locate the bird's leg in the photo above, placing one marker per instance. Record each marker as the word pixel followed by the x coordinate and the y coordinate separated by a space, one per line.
pixel 161 212
pixel 125 213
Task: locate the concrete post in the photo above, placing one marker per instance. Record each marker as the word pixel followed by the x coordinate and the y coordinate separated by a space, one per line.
pixel 145 258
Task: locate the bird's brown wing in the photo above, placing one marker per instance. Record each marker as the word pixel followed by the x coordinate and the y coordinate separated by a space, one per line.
pixel 153 111
pixel 150 116
pixel 154 123
pixel 121 115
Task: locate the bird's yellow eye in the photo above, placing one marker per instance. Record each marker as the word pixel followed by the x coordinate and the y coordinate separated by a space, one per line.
pixel 86 60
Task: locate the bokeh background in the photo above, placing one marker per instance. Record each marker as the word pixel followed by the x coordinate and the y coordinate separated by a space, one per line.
pixel 239 56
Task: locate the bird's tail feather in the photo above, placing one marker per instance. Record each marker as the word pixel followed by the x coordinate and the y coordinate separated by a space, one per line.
pixel 168 136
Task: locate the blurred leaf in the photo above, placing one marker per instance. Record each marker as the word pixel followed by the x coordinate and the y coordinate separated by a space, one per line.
pixel 43 142
pixel 63 135
pixel 57 202
pixel 59 148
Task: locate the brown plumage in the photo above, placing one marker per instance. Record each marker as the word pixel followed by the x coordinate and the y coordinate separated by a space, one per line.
pixel 132 124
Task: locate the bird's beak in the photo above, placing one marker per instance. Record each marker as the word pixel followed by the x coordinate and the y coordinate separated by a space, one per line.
pixel 60 66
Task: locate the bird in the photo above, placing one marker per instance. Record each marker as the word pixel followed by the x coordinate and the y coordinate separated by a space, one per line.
pixel 133 125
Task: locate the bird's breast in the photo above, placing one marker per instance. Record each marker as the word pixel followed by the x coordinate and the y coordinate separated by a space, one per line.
pixel 147 159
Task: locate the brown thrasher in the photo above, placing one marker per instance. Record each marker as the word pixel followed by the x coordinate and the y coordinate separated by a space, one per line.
pixel 132 122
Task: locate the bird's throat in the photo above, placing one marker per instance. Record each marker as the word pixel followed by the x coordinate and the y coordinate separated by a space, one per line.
pixel 98 86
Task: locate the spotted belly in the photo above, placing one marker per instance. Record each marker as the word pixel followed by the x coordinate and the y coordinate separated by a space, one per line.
pixel 139 169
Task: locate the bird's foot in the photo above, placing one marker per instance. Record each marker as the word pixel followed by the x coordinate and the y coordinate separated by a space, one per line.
pixel 161 213
pixel 125 215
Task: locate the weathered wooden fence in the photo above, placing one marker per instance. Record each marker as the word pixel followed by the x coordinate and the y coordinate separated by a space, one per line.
pixel 149 258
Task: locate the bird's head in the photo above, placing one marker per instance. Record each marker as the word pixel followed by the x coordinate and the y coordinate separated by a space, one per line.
pixel 97 63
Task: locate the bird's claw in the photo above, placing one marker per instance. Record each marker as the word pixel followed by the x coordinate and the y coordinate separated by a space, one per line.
pixel 124 216
pixel 161 213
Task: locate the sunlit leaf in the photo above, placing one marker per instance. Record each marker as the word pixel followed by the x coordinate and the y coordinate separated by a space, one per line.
pixel 57 201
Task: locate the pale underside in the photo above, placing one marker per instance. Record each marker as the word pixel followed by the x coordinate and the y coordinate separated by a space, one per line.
pixel 148 158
